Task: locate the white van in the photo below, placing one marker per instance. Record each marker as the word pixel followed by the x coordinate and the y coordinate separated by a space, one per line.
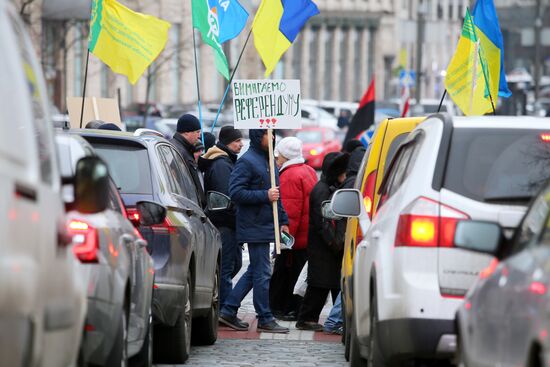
pixel 42 298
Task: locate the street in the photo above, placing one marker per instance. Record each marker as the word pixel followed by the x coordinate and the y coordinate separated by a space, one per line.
pixel 246 349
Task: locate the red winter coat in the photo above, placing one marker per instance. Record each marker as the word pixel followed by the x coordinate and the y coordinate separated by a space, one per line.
pixel 296 183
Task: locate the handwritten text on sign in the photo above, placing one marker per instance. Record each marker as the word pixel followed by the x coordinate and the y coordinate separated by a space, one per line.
pixel 267 104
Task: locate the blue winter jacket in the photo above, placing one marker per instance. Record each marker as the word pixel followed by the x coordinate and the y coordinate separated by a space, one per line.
pixel 248 186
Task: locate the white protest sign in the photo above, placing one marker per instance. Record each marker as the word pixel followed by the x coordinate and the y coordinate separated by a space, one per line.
pixel 267 104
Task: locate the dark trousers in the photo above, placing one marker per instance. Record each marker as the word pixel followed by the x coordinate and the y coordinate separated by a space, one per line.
pixel 314 301
pixel 232 258
pixel 286 271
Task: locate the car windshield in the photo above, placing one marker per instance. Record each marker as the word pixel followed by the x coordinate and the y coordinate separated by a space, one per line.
pixel 310 136
pixel 128 166
pixel 505 166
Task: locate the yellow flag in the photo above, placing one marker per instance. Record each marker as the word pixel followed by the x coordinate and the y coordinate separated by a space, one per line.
pixel 125 40
pixel 474 71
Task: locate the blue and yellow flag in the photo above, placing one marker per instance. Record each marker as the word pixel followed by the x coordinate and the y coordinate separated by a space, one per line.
pixel 473 73
pixel 276 26
pixel 486 21
pixel 128 42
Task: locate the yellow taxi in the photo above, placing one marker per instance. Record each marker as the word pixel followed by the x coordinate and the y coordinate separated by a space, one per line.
pixel 387 137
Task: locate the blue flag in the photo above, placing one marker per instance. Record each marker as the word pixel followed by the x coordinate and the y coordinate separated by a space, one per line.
pixel 231 18
pixel 485 18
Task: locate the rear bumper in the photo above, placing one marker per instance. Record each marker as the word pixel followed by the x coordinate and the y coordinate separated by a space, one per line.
pixel 416 338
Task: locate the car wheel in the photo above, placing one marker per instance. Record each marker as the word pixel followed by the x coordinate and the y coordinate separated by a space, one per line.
pixel 355 358
pixel 172 345
pixel 375 355
pixel 119 354
pixel 144 358
pixel 205 330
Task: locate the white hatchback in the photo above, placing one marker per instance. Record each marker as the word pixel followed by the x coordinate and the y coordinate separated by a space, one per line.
pixel 409 279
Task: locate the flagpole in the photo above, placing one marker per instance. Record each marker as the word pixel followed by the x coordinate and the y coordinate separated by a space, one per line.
pixel 198 83
pixel 230 80
pixel 84 87
pixel 441 102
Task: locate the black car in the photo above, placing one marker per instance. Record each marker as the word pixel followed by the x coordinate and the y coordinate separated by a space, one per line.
pixel 185 245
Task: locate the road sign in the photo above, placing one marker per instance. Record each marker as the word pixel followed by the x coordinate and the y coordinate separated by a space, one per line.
pixel 407 78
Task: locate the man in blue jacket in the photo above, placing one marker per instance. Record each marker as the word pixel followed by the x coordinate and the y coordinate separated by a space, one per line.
pixel 250 189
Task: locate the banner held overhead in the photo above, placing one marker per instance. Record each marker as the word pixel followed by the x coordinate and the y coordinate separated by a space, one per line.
pixel 267 104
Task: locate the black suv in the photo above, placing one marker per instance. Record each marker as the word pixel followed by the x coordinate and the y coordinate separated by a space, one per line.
pixel 185 246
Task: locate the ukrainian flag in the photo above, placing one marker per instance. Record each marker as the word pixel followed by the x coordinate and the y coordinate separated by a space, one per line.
pixel 276 26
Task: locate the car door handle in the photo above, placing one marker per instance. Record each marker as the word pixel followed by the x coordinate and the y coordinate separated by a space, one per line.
pixel 25 192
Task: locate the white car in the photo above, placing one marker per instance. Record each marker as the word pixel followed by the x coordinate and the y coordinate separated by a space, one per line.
pixel 409 278
pixel 42 296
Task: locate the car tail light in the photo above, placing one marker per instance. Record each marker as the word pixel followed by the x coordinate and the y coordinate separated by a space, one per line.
pixel 368 201
pixel 133 215
pixel 85 241
pixel 545 137
pixel 165 227
pixel 427 223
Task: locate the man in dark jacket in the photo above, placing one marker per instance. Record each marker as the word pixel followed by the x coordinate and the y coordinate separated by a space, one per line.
pixel 187 135
pixel 217 165
pixel 354 164
pixel 325 245
pixel 250 189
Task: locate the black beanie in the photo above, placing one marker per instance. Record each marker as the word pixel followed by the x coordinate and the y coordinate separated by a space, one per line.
pixel 109 126
pixel 228 134
pixel 351 145
pixel 209 140
pixel 188 123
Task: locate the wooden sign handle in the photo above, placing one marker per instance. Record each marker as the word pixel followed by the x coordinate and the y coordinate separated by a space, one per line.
pixel 274 184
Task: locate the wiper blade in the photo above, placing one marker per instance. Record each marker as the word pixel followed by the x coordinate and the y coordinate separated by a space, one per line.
pixel 507 199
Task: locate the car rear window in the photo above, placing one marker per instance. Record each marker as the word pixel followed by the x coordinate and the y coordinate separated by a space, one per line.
pixel 393 147
pixel 505 166
pixel 129 167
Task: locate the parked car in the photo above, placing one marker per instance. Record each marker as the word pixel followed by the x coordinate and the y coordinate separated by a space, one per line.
pixel 316 116
pixel 118 271
pixel 409 279
pixel 504 318
pixel 43 300
pixel 385 141
pixel 317 143
pixel 184 244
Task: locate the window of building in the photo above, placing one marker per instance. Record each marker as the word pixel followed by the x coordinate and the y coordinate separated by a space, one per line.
pixel 329 62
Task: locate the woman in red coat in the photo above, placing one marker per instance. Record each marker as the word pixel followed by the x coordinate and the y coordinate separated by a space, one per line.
pixel 296 182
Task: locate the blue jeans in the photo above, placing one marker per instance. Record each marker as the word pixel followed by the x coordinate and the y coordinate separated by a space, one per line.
pixel 256 278
pixel 334 320
pixel 232 258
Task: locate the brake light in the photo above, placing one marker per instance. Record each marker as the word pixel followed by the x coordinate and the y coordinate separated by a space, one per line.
pixel 427 223
pixel 85 241
pixel 545 137
pixel 537 288
pixel 133 216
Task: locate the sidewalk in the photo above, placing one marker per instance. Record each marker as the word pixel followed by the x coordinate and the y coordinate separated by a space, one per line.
pixel 248 314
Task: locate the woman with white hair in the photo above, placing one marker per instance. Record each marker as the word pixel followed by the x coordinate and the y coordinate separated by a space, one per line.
pixel 296 182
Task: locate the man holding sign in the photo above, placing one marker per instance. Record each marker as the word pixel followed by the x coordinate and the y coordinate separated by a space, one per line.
pixel 251 191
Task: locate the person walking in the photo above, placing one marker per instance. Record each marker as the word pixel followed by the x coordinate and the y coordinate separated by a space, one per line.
pixel 250 189
pixel 325 245
pixel 297 181
pixel 217 165
pixel 188 132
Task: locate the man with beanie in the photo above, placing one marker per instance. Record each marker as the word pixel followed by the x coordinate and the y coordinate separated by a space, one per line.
pixel 187 134
pixel 250 189
pixel 217 165
pixel 297 181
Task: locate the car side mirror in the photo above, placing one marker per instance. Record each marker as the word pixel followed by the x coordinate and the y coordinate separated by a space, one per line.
pixel 150 213
pixel 216 201
pixel 327 212
pixel 478 236
pixel 347 203
pixel 91 185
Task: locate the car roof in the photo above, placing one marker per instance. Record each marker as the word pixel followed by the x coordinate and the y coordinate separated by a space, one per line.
pixel 509 122
pixel 120 135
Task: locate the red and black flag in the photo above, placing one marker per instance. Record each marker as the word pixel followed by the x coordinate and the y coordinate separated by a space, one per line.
pixel 364 117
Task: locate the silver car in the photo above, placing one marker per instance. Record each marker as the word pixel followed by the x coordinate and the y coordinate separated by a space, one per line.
pixel 118 270
pixel 505 318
